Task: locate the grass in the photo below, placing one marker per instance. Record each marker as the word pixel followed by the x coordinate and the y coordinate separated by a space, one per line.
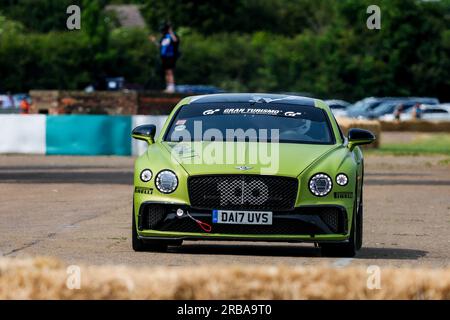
pixel 423 144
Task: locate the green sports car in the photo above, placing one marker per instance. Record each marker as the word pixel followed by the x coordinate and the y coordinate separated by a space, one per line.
pixel 250 167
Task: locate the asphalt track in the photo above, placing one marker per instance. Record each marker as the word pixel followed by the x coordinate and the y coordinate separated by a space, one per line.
pixel 79 210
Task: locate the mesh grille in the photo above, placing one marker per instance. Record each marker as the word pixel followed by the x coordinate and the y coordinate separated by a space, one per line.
pixel 243 192
pixel 335 218
pixel 331 218
pixel 152 215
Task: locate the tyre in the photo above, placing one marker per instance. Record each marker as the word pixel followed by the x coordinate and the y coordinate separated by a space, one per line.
pixel 140 245
pixel 354 243
pixel 359 225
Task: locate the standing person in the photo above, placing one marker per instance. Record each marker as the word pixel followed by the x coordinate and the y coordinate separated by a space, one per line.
pixel 24 106
pixel 417 111
pixel 169 53
pixel 398 111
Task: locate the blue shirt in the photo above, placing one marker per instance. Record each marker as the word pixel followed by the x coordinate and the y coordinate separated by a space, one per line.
pixel 167 47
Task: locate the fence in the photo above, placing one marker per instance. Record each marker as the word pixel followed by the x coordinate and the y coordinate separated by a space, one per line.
pixel 73 134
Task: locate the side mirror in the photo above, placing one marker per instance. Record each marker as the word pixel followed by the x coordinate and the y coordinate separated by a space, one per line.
pixel 357 137
pixel 145 132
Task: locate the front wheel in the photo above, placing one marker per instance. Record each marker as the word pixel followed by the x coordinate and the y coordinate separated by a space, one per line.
pixel 359 225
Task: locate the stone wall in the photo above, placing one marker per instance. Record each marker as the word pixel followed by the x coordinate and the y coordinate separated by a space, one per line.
pixel 80 102
pixel 103 102
pixel 157 103
pixel 44 101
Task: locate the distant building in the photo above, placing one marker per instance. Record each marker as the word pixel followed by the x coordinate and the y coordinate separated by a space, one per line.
pixel 128 15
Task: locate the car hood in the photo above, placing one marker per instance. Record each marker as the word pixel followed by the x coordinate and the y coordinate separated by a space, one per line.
pixel 288 159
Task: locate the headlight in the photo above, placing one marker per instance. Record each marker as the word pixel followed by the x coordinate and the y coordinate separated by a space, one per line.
pixel 341 179
pixel 320 184
pixel 146 175
pixel 166 181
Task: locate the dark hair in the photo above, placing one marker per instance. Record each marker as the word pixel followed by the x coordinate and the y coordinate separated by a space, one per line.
pixel 164 27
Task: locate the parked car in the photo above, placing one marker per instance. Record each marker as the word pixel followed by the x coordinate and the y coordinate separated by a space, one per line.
pixel 6 101
pixel 313 195
pixel 389 107
pixel 362 108
pixel 17 98
pixel 338 107
pixel 426 112
pixel 12 103
pixel 197 89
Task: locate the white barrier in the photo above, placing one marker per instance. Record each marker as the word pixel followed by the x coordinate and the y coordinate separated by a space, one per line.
pixel 22 134
pixel 28 133
pixel 138 147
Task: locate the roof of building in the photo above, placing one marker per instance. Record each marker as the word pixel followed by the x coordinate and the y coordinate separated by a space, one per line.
pixel 128 15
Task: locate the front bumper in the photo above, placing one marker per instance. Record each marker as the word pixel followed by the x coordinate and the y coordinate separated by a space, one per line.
pixel 303 224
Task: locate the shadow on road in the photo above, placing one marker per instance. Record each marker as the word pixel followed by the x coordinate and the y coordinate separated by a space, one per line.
pixel 60 167
pixel 391 182
pixel 396 174
pixel 108 175
pixel 292 251
pixel 248 250
pixel 390 253
pixel 89 177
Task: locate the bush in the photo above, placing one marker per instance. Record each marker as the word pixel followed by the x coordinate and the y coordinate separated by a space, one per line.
pixel 326 50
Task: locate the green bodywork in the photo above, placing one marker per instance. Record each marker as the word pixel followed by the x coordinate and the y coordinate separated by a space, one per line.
pixel 300 161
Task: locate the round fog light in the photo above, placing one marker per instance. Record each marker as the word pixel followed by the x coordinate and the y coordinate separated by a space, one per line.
pixel 146 175
pixel 341 179
pixel 180 212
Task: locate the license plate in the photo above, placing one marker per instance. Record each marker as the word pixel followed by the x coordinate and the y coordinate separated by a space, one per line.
pixel 242 217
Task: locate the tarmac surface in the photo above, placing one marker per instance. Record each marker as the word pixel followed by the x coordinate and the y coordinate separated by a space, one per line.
pixel 78 209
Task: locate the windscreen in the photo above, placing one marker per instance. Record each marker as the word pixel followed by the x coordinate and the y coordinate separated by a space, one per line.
pixel 285 123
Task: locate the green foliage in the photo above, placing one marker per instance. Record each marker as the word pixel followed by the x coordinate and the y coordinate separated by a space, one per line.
pixel 287 17
pixel 322 47
pixel 9 27
pixel 38 15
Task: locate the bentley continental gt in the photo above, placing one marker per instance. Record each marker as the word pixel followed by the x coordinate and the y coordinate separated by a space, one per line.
pixel 250 167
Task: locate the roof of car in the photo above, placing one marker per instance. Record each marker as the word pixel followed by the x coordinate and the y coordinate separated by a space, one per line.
pixel 253 98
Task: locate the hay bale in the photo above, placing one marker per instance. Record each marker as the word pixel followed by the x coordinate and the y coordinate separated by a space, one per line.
pixel 371 125
pixel 44 278
pixel 416 125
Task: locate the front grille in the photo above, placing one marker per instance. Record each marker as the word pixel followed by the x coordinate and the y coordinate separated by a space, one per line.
pixel 306 220
pixel 302 220
pixel 243 192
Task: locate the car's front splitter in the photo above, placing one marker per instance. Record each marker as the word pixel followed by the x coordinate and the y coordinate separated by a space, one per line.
pixel 175 236
pixel 304 224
